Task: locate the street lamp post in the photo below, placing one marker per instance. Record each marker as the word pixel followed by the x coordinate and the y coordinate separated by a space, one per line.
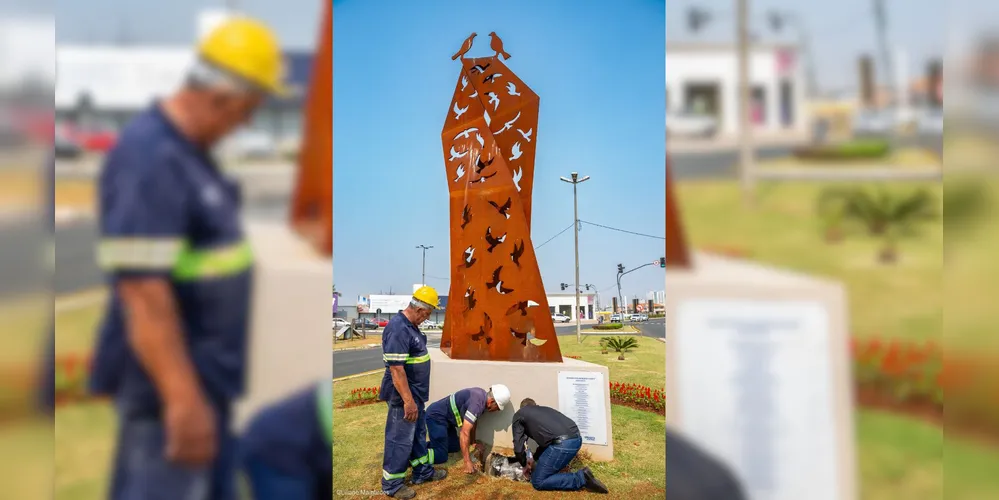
pixel 575 218
pixel 423 277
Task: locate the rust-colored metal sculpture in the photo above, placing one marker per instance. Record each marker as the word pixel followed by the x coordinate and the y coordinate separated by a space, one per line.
pixel 497 307
pixel 312 204
pixel 677 253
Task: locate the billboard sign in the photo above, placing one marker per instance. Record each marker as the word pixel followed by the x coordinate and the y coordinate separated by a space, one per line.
pixel 363 304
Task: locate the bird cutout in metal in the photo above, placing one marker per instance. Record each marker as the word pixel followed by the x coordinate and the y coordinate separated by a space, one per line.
pixel 311 208
pixel 677 252
pixel 517 252
pixel 465 47
pixel 493 241
pixel 466 216
pixel 493 143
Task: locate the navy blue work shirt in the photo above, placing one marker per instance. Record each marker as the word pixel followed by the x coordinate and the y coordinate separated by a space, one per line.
pixel 167 211
pixel 460 408
pixel 403 344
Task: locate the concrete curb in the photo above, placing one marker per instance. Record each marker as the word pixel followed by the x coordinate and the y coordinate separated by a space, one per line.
pixel 358 375
pixel 79 300
pixel 345 349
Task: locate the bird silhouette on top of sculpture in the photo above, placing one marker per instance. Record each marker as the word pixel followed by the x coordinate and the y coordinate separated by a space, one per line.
pixel 496 44
pixel 465 47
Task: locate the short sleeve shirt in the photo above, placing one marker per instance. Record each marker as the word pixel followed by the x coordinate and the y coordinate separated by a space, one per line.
pixel 167 211
pixel 403 344
pixel 470 405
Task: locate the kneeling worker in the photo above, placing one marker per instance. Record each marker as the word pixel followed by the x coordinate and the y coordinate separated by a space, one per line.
pixel 458 413
pixel 558 442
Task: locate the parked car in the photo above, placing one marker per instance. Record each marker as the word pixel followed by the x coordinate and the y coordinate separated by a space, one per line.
pixel 560 318
pixel 65 148
pixel 686 124
pixel 381 322
pixel 873 121
pixel 94 138
pixel 635 317
pixel 644 317
pixel 615 318
pixel 250 143
pixel 365 324
pixel 429 325
pixel 931 121
pixel 339 323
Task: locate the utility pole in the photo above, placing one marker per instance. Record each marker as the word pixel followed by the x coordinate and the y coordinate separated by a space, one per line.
pixel 575 218
pixel 423 278
pixel 746 166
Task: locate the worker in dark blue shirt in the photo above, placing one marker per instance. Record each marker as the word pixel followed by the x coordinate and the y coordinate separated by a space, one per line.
pixel 286 451
pixel 406 389
pixel 451 421
pixel 172 345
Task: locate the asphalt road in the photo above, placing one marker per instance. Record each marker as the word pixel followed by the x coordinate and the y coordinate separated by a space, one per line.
pixel 353 362
pixel 76 244
pixel 721 163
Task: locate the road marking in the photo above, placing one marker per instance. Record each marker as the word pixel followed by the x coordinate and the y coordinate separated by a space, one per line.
pixel 357 375
pixel 79 300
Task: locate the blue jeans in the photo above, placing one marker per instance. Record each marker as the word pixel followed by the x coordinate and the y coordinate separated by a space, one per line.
pixel 268 483
pixel 546 475
pixel 142 471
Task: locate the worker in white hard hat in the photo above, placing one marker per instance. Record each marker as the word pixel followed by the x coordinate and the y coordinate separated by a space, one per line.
pixel 451 421
pixel 171 351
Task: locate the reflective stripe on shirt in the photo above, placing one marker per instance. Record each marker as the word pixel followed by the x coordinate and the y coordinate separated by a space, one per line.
pixel 454 410
pixel 169 254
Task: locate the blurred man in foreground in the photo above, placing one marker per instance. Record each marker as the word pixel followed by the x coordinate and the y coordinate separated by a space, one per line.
pixel 693 475
pixel 171 350
pixel 406 389
pixel 286 451
pixel 558 441
pixel 451 421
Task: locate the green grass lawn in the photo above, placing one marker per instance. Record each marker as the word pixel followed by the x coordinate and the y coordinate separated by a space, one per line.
pixel 638 437
pixel 896 301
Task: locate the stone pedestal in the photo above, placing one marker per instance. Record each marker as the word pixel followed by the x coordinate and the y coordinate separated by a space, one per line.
pixel 290 323
pixel 538 381
pixel 758 373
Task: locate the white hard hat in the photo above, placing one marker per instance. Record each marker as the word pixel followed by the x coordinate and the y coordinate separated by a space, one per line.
pixel 501 395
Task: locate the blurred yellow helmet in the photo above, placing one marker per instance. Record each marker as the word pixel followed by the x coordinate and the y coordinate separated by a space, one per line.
pixel 428 296
pixel 247 49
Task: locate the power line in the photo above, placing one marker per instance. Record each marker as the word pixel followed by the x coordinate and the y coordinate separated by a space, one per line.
pixel 556 236
pixel 623 230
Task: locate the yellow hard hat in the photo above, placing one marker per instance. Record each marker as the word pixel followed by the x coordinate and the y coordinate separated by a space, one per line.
pixel 248 49
pixel 428 296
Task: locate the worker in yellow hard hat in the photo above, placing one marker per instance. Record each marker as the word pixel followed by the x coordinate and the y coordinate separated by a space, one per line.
pixel 406 389
pixel 172 347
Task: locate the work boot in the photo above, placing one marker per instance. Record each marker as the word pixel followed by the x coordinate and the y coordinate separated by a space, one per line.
pixel 404 493
pixel 592 483
pixel 438 475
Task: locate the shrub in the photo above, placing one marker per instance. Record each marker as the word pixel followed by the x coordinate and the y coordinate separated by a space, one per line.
pixel 362 396
pixel 882 213
pixel 608 326
pixel 619 344
pixel 868 149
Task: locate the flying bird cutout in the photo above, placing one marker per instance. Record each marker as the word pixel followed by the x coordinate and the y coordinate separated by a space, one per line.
pixel 496 287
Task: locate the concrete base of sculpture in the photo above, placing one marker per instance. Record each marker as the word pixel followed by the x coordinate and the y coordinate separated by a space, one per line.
pixel 758 373
pixel 538 381
pixel 290 329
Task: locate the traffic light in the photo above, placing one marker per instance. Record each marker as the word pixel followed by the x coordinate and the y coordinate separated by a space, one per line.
pixel 620 268
pixel 564 286
pixel 588 288
pixel 662 262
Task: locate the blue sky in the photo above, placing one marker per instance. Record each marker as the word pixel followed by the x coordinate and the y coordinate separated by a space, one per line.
pixel 598 68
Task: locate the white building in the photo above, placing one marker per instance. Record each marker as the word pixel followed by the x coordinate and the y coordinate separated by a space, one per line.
pixel 703 78
pixel 563 303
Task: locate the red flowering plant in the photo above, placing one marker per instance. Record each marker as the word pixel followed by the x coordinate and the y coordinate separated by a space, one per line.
pixel 899 370
pixel 638 396
pixel 362 396
pixel 71 373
